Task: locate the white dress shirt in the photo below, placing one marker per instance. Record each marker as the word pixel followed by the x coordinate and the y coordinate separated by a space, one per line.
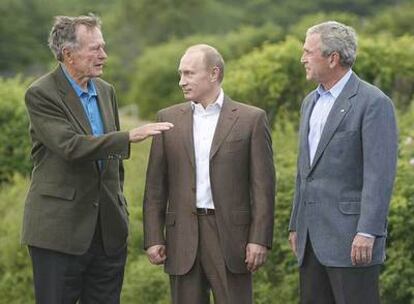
pixel 204 126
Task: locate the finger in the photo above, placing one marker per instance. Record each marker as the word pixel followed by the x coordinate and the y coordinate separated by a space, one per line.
pixel 369 255
pixel 247 254
pixel 154 132
pixel 353 255
pixel 358 255
pixel 256 264
pixel 250 263
pixel 293 246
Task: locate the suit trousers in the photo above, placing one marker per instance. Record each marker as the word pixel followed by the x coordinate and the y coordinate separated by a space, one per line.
pixel 209 272
pixel 320 284
pixel 90 278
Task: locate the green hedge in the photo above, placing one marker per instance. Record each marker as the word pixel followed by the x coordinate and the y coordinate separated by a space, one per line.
pixel 14 126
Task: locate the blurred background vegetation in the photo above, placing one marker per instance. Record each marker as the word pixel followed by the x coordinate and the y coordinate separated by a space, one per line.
pixel 261 41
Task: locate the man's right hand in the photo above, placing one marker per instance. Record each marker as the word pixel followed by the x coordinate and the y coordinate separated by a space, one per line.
pixel 293 241
pixel 157 254
pixel 141 133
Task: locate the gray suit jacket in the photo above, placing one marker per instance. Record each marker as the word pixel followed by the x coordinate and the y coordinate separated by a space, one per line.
pixel 347 188
pixel 68 191
pixel 242 182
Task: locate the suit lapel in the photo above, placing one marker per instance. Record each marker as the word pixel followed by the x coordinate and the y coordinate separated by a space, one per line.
pixel 106 115
pixel 339 110
pixel 228 116
pixel 305 130
pixel 187 131
pixel 105 108
pixel 72 101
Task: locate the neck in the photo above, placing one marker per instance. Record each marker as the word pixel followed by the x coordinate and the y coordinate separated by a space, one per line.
pixel 334 78
pixel 82 81
pixel 211 98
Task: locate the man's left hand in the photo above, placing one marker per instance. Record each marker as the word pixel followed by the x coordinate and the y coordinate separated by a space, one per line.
pixel 255 256
pixel 361 252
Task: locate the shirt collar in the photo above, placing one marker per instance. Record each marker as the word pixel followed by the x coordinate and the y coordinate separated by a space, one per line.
pixel 337 88
pixel 78 90
pixel 218 103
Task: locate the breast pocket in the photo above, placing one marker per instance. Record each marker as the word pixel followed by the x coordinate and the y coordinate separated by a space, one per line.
pixel 233 146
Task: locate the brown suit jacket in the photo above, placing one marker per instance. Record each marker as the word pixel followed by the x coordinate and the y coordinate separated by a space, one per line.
pixel 68 190
pixel 242 182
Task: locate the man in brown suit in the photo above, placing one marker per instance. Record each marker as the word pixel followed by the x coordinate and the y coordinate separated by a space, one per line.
pixel 76 218
pixel 211 187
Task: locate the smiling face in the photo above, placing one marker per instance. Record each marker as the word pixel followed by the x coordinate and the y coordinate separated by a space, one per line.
pixel 316 65
pixel 87 60
pixel 198 82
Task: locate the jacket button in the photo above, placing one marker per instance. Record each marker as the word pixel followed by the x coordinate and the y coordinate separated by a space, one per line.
pixel 95 204
pixel 309 179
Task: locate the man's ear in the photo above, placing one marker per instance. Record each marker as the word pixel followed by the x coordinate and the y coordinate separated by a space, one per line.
pixel 67 55
pixel 334 59
pixel 214 75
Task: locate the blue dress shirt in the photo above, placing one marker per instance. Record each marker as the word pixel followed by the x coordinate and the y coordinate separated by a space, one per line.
pixel 90 104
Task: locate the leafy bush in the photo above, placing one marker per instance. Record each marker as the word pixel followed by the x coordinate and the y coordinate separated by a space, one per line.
pixel 271 77
pixel 14 124
pixel 387 62
pixel 15 268
pixel 397 278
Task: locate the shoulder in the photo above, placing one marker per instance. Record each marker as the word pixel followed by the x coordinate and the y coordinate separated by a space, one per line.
pixel 245 109
pixel 46 82
pixel 172 110
pixel 102 84
pixel 372 95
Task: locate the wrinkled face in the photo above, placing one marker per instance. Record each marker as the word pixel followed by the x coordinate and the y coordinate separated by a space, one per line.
pixel 196 79
pixel 316 65
pixel 88 59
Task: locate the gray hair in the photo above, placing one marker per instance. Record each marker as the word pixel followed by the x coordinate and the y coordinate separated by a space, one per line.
pixel 63 33
pixel 212 57
pixel 337 37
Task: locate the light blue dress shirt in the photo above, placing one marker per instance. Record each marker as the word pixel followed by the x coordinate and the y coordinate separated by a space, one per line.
pixel 90 104
pixel 321 111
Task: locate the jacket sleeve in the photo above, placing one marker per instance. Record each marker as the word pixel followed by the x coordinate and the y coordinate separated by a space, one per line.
pixel 379 144
pixel 262 183
pixel 156 193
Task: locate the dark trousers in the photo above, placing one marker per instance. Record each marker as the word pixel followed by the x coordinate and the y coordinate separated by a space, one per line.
pixel 209 273
pixel 89 278
pixel 337 285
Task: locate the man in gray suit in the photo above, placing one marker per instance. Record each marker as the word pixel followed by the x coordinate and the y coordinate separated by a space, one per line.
pixel 346 169
pixel 75 216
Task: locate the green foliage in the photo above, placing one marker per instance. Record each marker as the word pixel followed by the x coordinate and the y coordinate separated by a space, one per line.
pixel 387 63
pixel 299 28
pixel 270 77
pixel 396 21
pixel 397 279
pixel 155 83
pixel 14 126
pixel 15 268
pixel 145 283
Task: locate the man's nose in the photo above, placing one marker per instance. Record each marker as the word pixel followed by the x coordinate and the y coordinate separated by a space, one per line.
pixel 302 58
pixel 182 81
pixel 102 54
